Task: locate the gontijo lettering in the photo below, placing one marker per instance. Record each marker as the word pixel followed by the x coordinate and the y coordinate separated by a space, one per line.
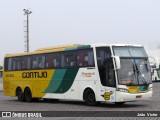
pixel 34 74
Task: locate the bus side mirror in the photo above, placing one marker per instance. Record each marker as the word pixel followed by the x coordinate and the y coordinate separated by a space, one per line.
pixel 157 63
pixel 157 66
pixel 153 65
pixel 118 63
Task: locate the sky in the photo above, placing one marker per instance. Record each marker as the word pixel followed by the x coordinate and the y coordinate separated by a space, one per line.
pixel 59 22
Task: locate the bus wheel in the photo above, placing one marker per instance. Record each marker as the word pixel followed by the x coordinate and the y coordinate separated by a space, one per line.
pixel 20 94
pixel 89 97
pixel 27 95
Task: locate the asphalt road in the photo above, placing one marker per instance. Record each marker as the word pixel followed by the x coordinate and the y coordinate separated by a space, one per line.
pixel 12 104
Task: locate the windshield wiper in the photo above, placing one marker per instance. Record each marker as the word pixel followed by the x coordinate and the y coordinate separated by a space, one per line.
pixel 139 73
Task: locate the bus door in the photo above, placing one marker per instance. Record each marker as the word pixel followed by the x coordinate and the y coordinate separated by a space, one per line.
pixel 110 90
pixel 106 73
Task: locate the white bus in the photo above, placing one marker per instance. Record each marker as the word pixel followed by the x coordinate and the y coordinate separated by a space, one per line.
pixel 93 73
pixel 155 68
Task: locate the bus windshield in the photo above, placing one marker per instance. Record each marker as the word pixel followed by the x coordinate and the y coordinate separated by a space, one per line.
pixel 134 72
pixel 135 68
pixel 126 51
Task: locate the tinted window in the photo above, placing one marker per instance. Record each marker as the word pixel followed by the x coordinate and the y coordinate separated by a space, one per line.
pixel 25 62
pixel 85 58
pixel 16 65
pixel 37 61
pixel 68 59
pixel 53 60
pixel 103 53
pixel 8 64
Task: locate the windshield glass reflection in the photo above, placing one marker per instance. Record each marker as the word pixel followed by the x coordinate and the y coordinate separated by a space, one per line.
pixel 134 72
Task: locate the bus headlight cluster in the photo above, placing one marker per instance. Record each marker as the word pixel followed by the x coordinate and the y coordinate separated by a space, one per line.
pixel 123 90
pixel 150 89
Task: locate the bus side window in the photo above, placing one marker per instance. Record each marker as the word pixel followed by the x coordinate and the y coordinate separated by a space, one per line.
pixel 49 61
pixel 16 63
pixel 8 64
pixel 90 58
pixel 34 62
pixel 55 60
pixel 25 60
pixel 80 58
pixel 85 58
pixel 68 59
pixel 41 61
pixel 52 60
pixel 85 62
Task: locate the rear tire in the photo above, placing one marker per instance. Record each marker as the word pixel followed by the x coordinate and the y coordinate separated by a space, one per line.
pixel 89 97
pixel 20 94
pixel 28 95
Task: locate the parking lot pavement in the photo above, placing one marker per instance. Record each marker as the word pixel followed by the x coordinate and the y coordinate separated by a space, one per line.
pixel 11 104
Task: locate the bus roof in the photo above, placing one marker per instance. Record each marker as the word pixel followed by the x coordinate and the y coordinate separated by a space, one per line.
pixel 57 47
pixel 135 45
pixel 47 50
pixel 65 48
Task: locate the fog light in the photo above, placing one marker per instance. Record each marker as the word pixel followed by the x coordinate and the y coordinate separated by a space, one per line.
pixel 150 89
pixel 122 100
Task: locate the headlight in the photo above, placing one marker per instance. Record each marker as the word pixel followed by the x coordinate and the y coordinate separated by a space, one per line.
pixel 150 89
pixel 123 90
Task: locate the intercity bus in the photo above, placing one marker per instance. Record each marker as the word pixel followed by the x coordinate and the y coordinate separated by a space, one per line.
pixel 155 68
pixel 93 73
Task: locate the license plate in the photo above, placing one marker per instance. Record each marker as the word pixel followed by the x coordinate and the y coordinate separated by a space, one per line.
pixel 138 96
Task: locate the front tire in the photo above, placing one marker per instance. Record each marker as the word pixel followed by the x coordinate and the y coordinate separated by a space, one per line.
pixel 89 97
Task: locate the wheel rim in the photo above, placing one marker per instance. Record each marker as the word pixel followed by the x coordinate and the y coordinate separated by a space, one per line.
pixel 91 97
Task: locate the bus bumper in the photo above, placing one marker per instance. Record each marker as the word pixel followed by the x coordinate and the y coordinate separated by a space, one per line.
pixel 126 97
